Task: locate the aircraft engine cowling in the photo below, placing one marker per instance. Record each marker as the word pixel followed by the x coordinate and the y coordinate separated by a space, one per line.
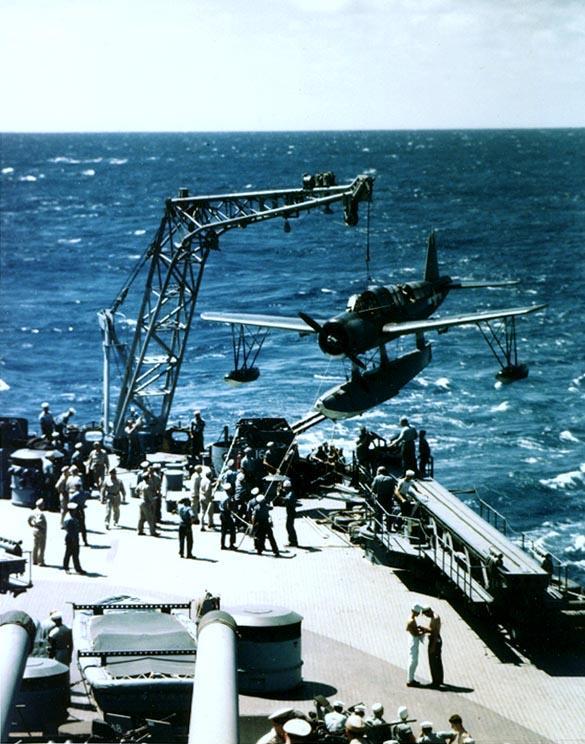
pixel 349 336
pixel 333 338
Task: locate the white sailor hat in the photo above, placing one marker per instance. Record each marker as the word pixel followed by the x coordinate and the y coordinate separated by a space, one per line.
pixel 402 712
pixel 39 502
pixel 255 491
pixel 260 498
pixel 196 413
pixel 359 709
pixel 79 445
pixel 248 449
pixel 355 723
pixel 45 404
pixel 55 435
pixel 377 708
pixel 287 484
pixel 426 725
pixel 297 727
pixel 339 704
pixel 55 615
pixel 410 474
pixel 230 463
pixel 73 469
pixel 240 477
pixel 227 486
pixel 72 505
pixel 270 444
pixel 145 464
pixel 72 411
pixel 282 714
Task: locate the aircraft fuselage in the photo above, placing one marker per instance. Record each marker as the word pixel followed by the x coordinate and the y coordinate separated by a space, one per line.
pixel 360 327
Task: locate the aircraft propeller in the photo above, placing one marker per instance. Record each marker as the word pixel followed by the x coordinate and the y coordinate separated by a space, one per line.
pixel 318 328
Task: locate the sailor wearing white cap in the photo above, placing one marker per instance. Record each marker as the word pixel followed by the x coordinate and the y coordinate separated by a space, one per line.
pixel 276 734
pixel 296 730
pixel 46 421
pixel 415 636
pixel 262 526
pixel 377 717
pixel 72 529
pixel 335 720
pixel 38 522
pixel 289 498
pixel 60 640
pixel 355 728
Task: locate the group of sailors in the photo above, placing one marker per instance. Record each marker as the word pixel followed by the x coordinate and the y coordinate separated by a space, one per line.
pixel 244 499
pixel 404 444
pixel 336 724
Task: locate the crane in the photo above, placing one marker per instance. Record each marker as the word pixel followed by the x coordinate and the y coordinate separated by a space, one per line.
pixel 174 263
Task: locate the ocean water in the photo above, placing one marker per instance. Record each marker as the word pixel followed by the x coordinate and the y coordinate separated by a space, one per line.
pixel 78 210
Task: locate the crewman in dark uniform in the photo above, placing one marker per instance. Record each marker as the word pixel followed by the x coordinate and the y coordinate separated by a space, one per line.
pixel 406 441
pixel 186 518
pixel 289 498
pixel 424 454
pixel 71 527
pixel 263 527
pixel 197 428
pixel 226 519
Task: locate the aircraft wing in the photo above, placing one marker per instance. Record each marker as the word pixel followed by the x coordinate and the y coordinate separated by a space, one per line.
pixel 264 321
pixel 439 324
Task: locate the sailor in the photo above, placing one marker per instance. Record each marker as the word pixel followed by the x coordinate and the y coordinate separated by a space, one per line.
pixel 428 736
pixel 401 731
pixel 355 728
pixel 230 473
pixel 60 641
pixel 147 494
pixel 297 730
pixel 249 465
pixel 277 719
pixel 406 441
pixel 46 421
pixel 242 494
pixel 79 497
pixel 157 481
pixel 45 627
pixel 50 476
pixel 272 458
pixel 194 488
pixel 383 488
pixel 263 526
pixel 458 733
pixel 335 719
pixel 362 448
pixel 253 501
pixel 133 445
pixel 62 492
pixel 97 465
pixel 435 646
pixel 112 495
pixel 197 428
pixel 63 421
pixel 289 498
pixel 78 461
pixel 38 522
pixel 186 518
pixel 415 637
pixel 226 518
pixel 206 492
pixel 402 492
pixel 71 527
pixel 424 454
pixel 377 717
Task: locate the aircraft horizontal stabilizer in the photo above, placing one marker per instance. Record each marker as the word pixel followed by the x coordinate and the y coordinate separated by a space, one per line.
pixel 263 321
pixel 439 324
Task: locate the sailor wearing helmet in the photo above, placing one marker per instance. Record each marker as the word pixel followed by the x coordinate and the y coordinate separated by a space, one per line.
pixel 289 498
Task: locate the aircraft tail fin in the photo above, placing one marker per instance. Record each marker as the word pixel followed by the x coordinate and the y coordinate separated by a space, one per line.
pixel 432 263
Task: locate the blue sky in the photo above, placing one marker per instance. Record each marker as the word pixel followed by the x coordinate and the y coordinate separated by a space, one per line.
pixel 210 65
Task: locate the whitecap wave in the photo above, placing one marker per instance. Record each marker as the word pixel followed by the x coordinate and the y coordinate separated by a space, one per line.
pixel 501 407
pixel 88 172
pixel 443 383
pixel 3 386
pixel 7 171
pixel 571 479
pixel 69 241
pixel 29 178
pixel 139 232
pixel 567 436
pixel 118 161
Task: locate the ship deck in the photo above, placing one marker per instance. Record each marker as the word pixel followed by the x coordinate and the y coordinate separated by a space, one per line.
pixel 354 643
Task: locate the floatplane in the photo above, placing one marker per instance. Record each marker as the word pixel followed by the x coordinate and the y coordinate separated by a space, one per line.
pixel 372 319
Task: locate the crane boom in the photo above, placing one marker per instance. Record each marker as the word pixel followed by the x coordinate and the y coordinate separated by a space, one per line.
pixel 174 264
